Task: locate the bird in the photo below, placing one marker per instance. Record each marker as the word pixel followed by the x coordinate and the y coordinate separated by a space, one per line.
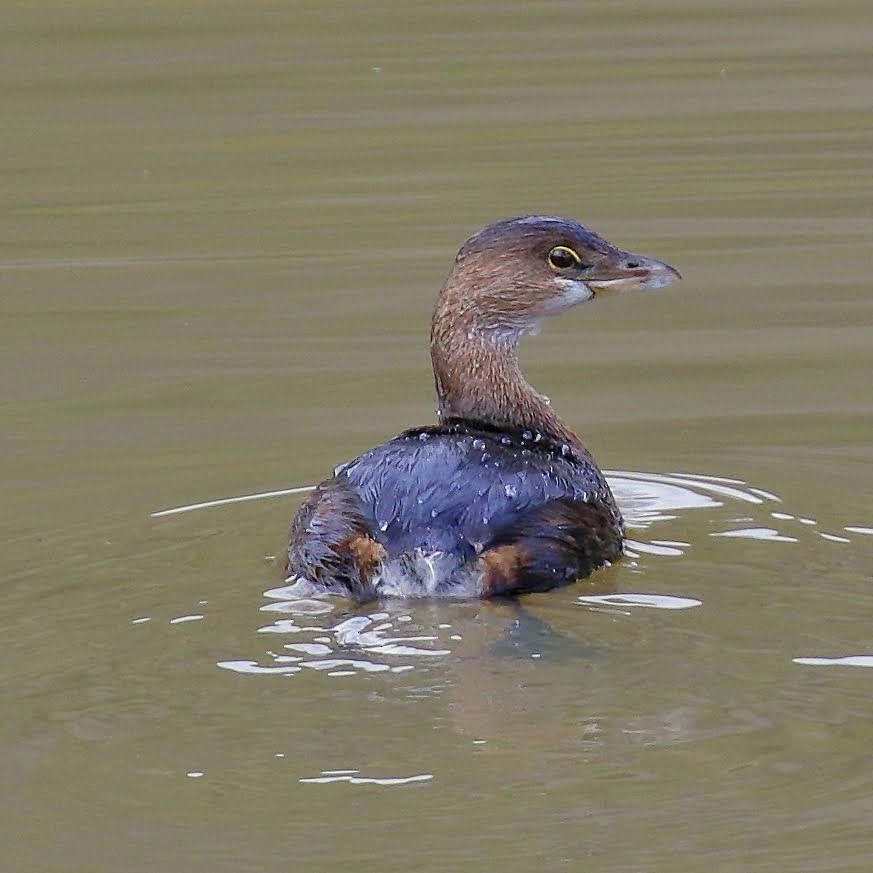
pixel 499 497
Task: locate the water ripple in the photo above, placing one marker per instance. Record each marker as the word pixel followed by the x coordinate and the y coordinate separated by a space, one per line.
pixel 359 644
pixel 647 601
pixel 323 640
pixel 848 661
pixel 645 498
pixel 352 777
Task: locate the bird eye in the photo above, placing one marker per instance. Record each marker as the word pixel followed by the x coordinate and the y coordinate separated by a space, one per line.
pixel 562 258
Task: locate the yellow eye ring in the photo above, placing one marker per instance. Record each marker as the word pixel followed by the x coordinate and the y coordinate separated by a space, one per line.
pixel 563 258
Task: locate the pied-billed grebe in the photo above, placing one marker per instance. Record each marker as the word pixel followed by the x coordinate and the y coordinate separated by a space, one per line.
pixel 500 497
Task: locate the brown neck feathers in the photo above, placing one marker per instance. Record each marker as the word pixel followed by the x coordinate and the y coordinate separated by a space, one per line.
pixel 478 377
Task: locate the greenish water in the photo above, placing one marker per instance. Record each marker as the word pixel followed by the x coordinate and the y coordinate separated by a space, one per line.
pixel 223 229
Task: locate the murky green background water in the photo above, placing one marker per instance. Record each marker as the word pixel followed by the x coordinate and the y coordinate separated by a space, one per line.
pixel 223 227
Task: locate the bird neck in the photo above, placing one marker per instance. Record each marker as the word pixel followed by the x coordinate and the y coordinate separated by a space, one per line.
pixel 478 378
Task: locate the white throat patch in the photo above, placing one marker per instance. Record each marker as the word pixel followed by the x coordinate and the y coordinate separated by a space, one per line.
pixel 574 292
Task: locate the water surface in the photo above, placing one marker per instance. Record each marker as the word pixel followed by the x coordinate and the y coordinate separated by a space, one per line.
pixel 224 228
